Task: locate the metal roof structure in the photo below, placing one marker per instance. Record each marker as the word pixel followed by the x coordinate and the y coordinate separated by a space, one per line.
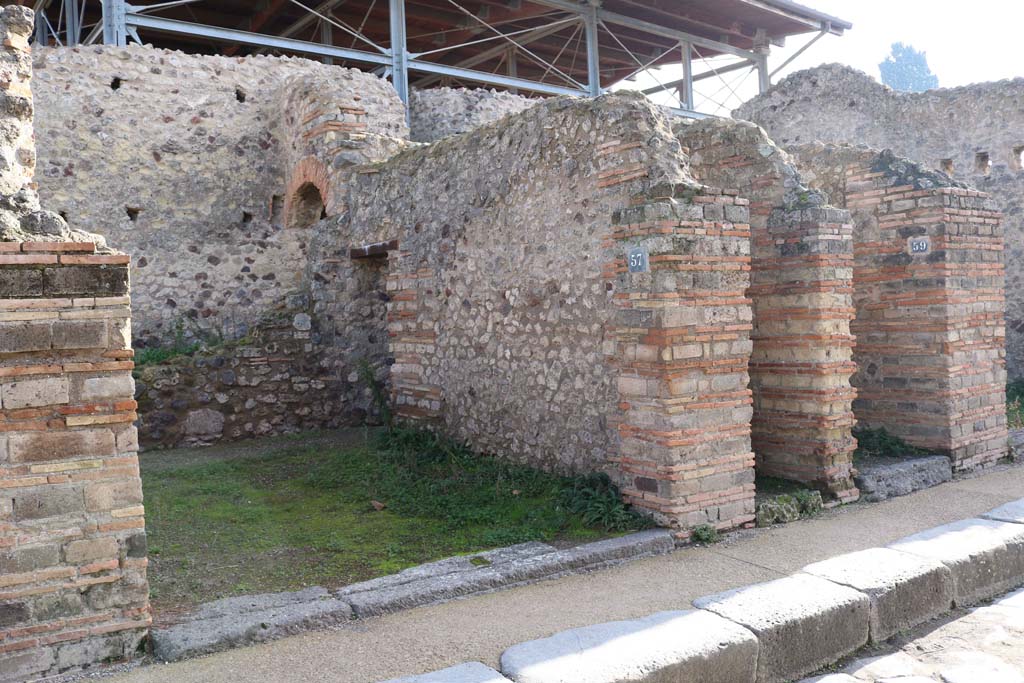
pixel 547 47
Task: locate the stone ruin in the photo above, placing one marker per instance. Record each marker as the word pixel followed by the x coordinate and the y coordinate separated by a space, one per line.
pixel 970 133
pixel 580 285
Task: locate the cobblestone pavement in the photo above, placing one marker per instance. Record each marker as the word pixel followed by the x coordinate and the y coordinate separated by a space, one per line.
pixel 982 645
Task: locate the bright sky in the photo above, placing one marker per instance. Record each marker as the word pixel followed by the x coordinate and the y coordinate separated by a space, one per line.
pixel 965 42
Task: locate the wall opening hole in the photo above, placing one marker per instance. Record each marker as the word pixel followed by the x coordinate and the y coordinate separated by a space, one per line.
pixel 239 94
pixel 276 209
pixel 115 84
pixel 946 166
pixel 246 217
pixel 64 215
pixel 1017 160
pixel 307 207
pixel 133 213
pixel 982 163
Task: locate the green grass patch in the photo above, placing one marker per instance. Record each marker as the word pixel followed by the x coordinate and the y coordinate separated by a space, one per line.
pixel 317 513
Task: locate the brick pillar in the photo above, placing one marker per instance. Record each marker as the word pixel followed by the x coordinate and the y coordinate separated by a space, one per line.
pixel 801 363
pixel 681 343
pixel 73 587
pixel 802 294
pixel 930 303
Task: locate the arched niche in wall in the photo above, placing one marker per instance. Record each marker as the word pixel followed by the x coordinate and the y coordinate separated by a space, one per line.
pixel 308 198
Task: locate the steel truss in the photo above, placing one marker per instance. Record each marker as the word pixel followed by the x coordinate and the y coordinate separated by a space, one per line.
pixel 587 23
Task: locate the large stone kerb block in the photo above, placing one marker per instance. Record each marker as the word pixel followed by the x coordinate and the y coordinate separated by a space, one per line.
pixel 802 622
pixel 905 590
pixel 668 646
pixel 985 557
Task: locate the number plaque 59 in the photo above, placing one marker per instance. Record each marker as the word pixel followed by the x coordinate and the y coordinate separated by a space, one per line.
pixel 917 246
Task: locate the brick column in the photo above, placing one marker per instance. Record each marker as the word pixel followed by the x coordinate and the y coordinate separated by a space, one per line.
pixel 73 587
pixel 681 343
pixel 802 294
pixel 801 363
pixel 929 323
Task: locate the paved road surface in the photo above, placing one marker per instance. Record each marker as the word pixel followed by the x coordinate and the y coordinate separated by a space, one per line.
pixel 984 645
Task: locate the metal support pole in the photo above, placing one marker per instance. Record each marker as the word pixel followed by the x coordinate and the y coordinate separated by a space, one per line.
pixel 764 80
pixel 72 31
pixel 511 57
pixel 42 34
pixel 686 88
pixel 593 52
pixel 115 28
pixel 399 52
pixel 327 38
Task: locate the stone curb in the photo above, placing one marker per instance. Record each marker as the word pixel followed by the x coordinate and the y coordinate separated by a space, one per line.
pixel 692 645
pixel 793 626
pixel 382 599
pixel 234 622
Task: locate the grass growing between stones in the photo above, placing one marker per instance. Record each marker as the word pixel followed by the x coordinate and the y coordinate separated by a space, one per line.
pixel 331 510
pixel 1015 404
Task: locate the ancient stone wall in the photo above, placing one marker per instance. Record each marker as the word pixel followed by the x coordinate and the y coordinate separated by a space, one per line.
pixel 801 291
pixel 972 132
pixel 928 289
pixel 73 587
pixel 436 113
pixel 183 161
pixel 258 385
pixel 513 321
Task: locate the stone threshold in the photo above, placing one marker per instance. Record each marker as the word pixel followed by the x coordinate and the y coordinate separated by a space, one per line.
pixel 244 620
pixel 784 629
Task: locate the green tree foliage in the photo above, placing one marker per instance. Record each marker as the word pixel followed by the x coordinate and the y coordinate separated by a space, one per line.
pixel 906 69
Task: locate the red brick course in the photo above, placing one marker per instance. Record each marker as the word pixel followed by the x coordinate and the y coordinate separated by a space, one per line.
pixel 71 516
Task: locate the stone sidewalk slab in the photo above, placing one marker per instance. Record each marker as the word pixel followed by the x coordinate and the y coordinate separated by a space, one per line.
pixel 802 622
pixel 905 590
pixel 470 672
pixel 691 645
pixel 986 557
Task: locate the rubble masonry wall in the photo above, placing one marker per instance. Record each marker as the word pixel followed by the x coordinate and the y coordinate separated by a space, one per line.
pixel 514 323
pixel 972 132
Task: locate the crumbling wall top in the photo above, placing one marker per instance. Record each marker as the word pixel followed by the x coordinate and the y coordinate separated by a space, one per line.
pixel 21 217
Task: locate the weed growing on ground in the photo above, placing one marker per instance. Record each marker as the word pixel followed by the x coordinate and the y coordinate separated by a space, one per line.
pixel 706 534
pixel 599 503
pixel 1015 404
pixel 879 442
